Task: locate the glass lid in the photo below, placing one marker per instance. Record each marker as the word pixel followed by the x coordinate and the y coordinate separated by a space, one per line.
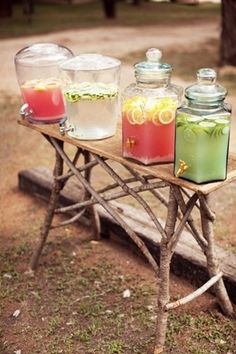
pixel 206 90
pixel 86 62
pixel 152 67
pixel 43 54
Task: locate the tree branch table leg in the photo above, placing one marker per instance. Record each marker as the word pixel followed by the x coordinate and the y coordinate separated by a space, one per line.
pixel 95 220
pixel 57 186
pixel 164 274
pixel 207 219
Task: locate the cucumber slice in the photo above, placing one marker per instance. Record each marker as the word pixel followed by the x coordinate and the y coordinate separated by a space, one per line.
pixel 221 121
pixel 207 124
pixel 90 91
pixel 225 130
pixel 194 119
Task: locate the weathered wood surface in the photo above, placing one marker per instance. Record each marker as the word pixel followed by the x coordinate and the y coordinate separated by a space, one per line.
pixel 111 148
pixel 188 261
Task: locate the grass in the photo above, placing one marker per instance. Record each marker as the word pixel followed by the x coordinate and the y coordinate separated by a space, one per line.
pixel 63 17
pixel 88 314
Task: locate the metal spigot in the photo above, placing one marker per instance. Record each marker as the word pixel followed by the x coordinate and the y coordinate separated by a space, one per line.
pixel 130 143
pixel 182 168
pixel 26 112
pixel 63 129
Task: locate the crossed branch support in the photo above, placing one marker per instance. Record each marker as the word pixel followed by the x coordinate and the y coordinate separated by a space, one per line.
pixel 179 207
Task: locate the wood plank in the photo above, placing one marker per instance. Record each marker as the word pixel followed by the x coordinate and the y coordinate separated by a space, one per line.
pixel 111 148
pixel 188 261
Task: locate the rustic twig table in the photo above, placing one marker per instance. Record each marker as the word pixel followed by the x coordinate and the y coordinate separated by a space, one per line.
pixel 183 197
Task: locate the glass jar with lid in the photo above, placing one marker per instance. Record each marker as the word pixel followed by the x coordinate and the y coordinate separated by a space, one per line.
pixel 203 131
pixel 37 70
pixel 91 96
pixel 148 112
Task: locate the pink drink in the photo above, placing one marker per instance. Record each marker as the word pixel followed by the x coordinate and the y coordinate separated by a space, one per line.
pixel 45 100
pixel 148 126
pixel 151 143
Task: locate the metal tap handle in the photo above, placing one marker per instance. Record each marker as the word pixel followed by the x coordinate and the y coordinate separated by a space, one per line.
pixel 26 112
pixel 63 129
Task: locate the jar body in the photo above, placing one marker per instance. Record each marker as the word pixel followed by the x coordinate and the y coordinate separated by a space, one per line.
pixel 148 123
pixel 91 100
pixel 37 69
pixel 202 143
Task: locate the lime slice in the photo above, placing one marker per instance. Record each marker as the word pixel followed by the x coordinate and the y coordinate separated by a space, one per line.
pixel 221 121
pixel 210 118
pixel 90 91
pixel 214 117
pixel 166 116
pixel 205 124
pixel 189 136
pixel 181 119
pixel 225 131
pixel 182 116
pixel 194 119
pixel 220 129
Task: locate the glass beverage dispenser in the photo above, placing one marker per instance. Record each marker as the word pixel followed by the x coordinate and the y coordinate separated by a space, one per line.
pixel 37 69
pixel 148 112
pixel 202 131
pixel 90 89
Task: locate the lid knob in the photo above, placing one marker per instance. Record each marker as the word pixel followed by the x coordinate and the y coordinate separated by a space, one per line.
pixel 206 91
pixel 153 55
pixel 206 76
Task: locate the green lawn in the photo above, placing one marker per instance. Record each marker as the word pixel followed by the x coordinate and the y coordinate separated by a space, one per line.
pixel 48 18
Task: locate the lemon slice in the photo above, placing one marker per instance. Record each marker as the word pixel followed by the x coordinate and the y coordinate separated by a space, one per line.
pixel 155 118
pixel 136 101
pixel 40 88
pixel 167 103
pixel 135 116
pixel 166 116
pixel 52 85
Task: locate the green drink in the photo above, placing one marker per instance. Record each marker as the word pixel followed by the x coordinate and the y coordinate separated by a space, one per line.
pixel 202 143
pixel 202 132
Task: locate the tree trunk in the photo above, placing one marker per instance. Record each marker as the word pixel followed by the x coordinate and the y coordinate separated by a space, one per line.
pixel 5 8
pixel 228 33
pixel 109 7
pixel 28 7
pixel 136 2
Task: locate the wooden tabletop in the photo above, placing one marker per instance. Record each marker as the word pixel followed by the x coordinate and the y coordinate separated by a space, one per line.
pixel 111 148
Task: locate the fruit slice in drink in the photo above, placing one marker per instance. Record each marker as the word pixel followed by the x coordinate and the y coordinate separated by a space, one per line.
pixel 148 129
pixel 92 110
pixel 44 99
pixel 202 144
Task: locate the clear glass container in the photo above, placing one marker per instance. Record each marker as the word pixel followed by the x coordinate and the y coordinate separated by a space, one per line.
pixel 37 70
pixel 91 96
pixel 203 131
pixel 148 112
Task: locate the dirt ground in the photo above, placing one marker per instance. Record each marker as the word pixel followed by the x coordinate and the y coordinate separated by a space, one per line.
pixel 21 216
